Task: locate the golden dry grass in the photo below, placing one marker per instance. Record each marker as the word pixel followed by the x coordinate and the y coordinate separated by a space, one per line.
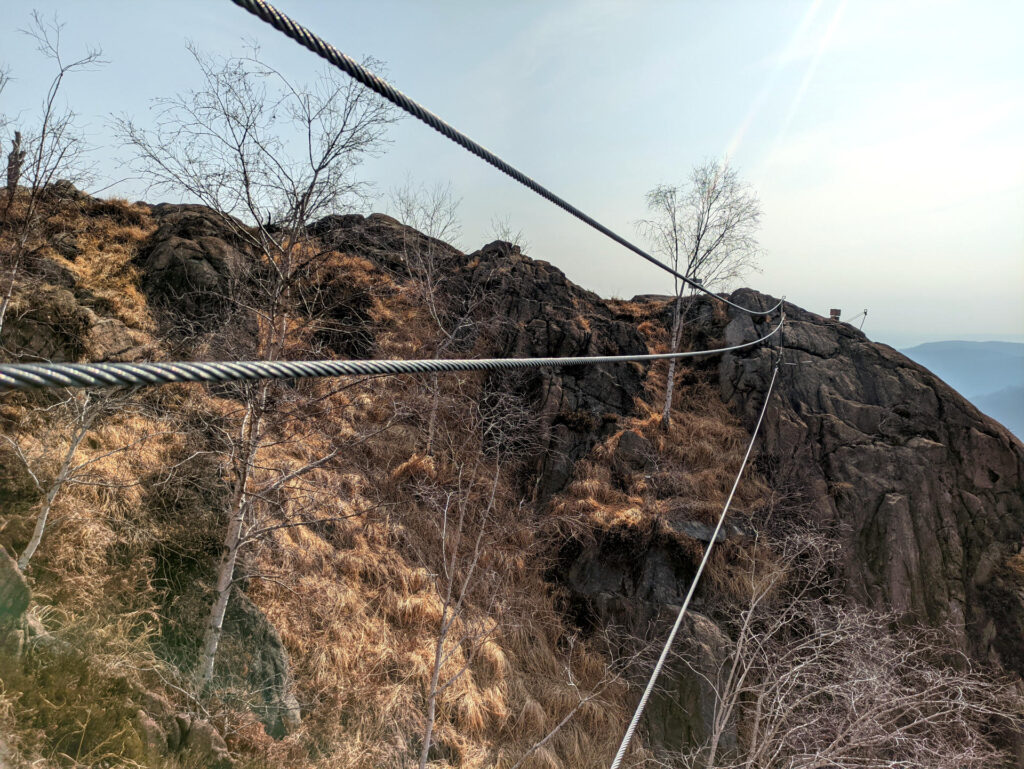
pixel 354 602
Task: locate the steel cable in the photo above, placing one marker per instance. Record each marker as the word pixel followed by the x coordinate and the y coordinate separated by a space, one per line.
pixel 693 584
pixel 30 376
pixel 281 22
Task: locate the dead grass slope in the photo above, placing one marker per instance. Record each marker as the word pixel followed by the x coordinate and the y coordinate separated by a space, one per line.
pixel 124 575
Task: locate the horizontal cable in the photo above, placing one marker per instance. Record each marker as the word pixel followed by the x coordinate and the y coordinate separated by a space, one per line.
pixel 693 584
pixel 325 50
pixel 30 376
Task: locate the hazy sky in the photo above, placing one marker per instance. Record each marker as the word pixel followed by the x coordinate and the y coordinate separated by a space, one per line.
pixel 885 139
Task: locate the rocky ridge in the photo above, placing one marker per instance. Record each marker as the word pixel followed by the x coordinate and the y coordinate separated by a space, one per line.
pixel 926 493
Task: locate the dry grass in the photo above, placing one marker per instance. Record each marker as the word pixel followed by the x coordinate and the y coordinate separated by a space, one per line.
pixel 127 563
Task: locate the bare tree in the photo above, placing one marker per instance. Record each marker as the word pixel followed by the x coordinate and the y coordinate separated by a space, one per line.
pixel 614 672
pixel 466 528
pixel 434 212
pixel 251 144
pixel 501 229
pixel 706 231
pixel 462 503
pixel 70 419
pixel 43 153
pixel 813 681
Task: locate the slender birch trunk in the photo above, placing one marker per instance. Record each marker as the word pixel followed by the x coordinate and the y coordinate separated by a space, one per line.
pixel 666 414
pixel 233 538
pixel 225 580
pixel 435 677
pixel 58 483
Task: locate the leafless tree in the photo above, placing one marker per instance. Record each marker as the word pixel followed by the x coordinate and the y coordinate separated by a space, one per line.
pixel 813 681
pixel 434 212
pixel 251 144
pixel 464 516
pixel 614 673
pixel 69 419
pixel 705 230
pixel 42 153
pixel 462 503
pixel 501 229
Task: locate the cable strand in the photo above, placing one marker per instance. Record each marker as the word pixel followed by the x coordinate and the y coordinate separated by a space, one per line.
pixel 285 24
pixel 31 376
pixel 627 738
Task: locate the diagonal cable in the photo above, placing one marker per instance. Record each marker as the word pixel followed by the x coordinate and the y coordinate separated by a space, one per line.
pixel 693 586
pixel 378 85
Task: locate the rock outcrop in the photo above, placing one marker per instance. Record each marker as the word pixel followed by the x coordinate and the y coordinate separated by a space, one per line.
pixel 522 307
pixel 188 264
pixel 924 490
pixel 543 314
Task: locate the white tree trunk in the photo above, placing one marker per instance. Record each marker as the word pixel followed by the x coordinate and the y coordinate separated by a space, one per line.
pixel 58 483
pixel 435 677
pixel 666 414
pixel 225 580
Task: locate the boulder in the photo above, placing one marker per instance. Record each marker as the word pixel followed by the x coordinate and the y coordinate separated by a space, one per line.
pixel 253 651
pixel 14 591
pixel 204 744
pixel 188 264
pixel 633 453
pixel 14 600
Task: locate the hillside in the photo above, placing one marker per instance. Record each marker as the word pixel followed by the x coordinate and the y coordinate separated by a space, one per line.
pixel 509 548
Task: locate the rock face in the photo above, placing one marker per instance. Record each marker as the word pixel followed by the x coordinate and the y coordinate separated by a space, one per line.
pixel 188 263
pixel 14 600
pixel 926 492
pixel 253 650
pixel 540 313
pixel 543 314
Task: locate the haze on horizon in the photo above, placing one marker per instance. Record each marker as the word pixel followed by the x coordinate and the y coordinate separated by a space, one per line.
pixel 886 140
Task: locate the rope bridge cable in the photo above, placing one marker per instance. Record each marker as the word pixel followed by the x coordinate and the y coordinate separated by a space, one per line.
pixel 30 376
pixel 281 22
pixel 693 584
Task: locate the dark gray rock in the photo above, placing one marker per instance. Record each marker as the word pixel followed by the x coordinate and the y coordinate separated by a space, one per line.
pixel 66 244
pixel 926 492
pixel 681 711
pixel 253 651
pixel 50 325
pixel 14 591
pixel 204 744
pixel 188 264
pixel 702 532
pixel 14 601
pixel 633 453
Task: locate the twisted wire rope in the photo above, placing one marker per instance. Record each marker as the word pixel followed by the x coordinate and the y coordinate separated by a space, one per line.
pixel 30 376
pixel 634 722
pixel 283 23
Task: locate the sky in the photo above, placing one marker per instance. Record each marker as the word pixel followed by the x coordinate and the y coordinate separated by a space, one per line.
pixel 884 139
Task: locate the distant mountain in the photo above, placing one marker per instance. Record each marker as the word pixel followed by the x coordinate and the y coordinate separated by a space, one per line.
pixel 989 374
pixel 1007 406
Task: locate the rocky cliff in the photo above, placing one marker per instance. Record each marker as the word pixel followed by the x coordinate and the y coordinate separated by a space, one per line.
pixel 610 514
pixel 925 492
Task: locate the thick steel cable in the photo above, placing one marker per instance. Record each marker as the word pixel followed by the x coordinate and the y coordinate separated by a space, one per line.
pixel 30 376
pixel 281 22
pixel 693 586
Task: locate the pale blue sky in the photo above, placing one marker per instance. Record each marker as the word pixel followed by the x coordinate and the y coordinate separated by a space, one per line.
pixel 886 139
